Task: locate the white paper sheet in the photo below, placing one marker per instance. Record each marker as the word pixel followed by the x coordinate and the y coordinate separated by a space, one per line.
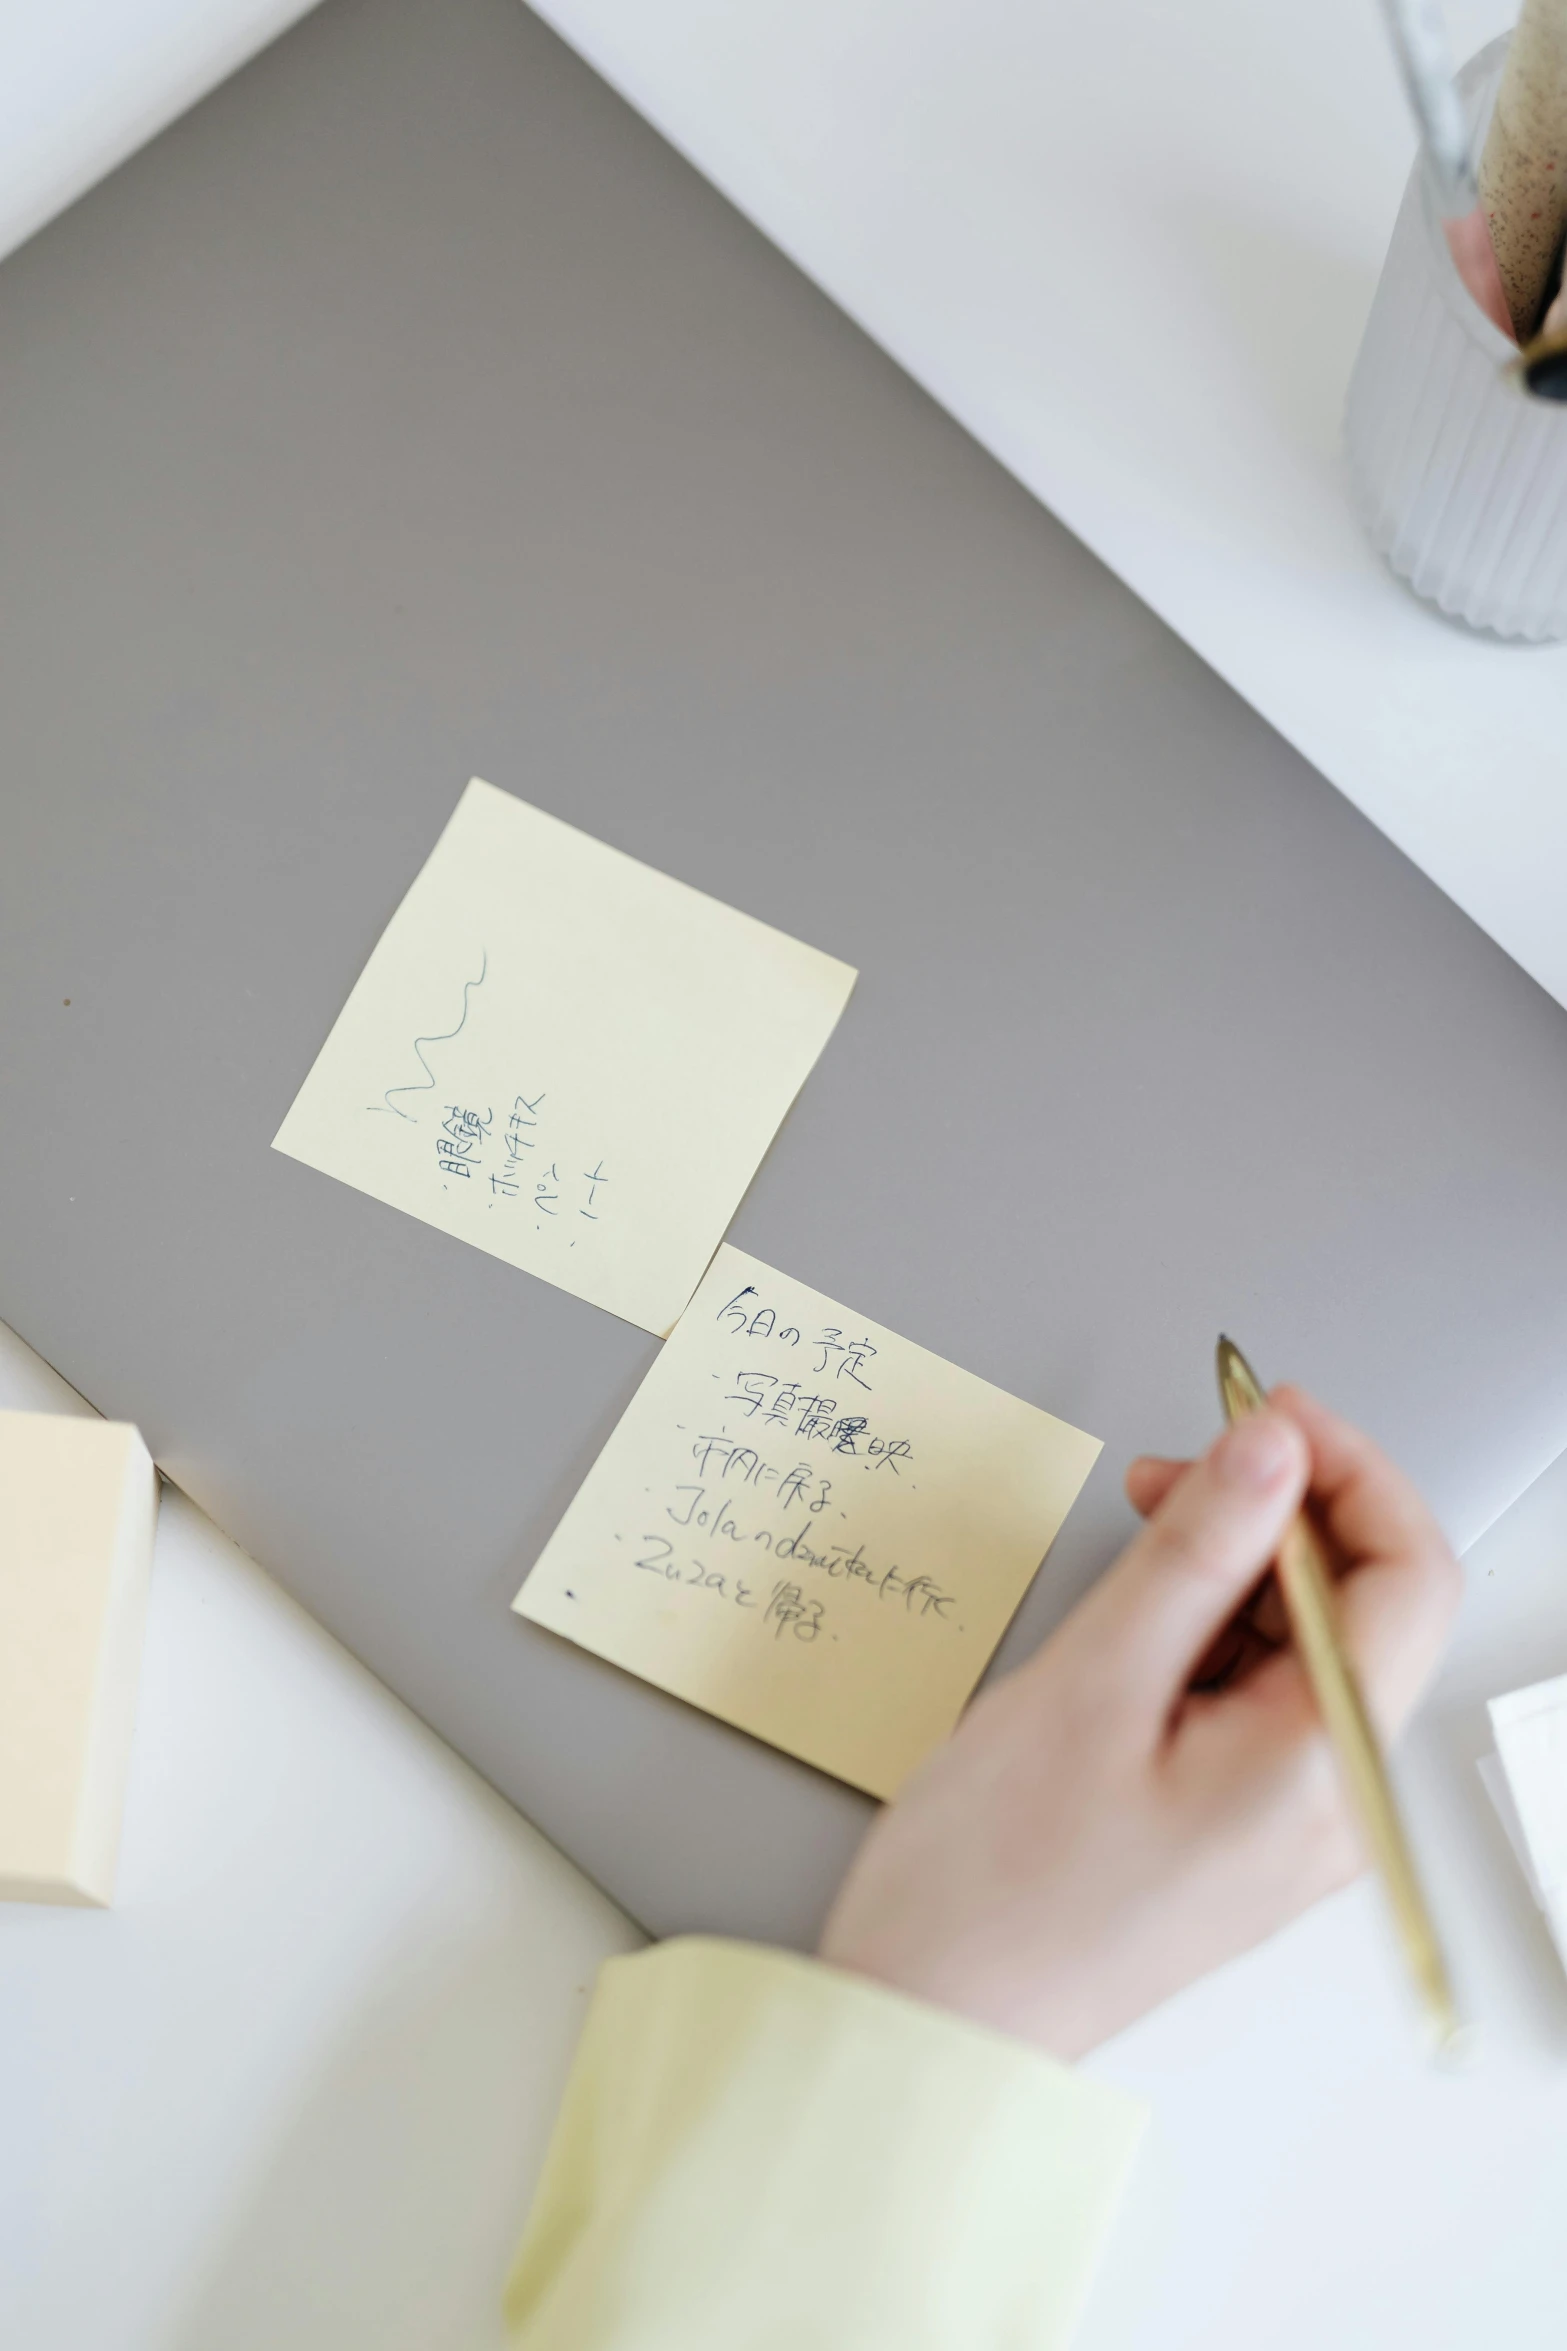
pixel 1526 1780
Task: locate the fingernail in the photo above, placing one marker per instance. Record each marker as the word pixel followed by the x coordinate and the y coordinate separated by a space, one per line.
pixel 1256 1452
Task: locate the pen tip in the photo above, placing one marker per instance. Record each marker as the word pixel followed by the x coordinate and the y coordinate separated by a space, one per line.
pixel 1457 2047
pixel 1239 1387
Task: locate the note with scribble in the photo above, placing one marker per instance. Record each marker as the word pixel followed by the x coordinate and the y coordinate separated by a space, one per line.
pixel 566 1058
pixel 809 1527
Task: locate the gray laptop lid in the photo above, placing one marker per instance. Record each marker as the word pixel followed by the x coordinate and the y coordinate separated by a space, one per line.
pixel 410 411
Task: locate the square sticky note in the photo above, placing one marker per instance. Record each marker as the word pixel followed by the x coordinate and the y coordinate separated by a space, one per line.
pixel 78 1504
pixel 809 1526
pixel 566 1058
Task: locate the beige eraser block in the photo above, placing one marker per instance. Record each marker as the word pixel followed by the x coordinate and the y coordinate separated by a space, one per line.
pixel 78 1503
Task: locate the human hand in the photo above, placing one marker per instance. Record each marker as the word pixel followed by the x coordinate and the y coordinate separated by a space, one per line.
pixel 1154 1792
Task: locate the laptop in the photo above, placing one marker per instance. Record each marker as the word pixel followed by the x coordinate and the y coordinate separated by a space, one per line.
pixel 410 411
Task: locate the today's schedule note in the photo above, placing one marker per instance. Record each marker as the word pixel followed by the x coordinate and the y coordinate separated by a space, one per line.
pixel 809 1526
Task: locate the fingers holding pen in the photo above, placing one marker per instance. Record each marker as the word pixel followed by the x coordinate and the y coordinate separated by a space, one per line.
pixel 1148 1480
pixel 1207 1542
pixel 1399 1580
pixel 1107 1822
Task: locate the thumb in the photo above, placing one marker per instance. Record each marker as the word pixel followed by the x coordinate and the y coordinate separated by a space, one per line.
pixel 1180 1580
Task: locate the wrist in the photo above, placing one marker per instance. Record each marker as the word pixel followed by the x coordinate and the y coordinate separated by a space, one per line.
pixel 973 1984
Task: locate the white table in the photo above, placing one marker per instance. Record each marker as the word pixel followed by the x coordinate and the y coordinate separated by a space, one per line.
pixel 1310 2181
pixel 1131 248
pixel 84 83
pixel 294 2088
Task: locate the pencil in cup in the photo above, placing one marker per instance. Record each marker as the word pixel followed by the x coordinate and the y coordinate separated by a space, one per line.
pixel 1523 164
pixel 1458 476
pixel 1418 31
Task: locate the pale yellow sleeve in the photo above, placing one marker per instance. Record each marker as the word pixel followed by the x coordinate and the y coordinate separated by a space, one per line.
pixel 760 2153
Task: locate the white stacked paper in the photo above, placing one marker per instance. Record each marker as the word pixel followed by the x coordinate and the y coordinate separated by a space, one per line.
pixel 1526 1780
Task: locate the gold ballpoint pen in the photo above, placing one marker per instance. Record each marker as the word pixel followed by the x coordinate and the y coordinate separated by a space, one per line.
pixel 1306 1580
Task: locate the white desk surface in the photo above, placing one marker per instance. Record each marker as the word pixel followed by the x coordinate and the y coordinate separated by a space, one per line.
pixel 84 83
pixel 1132 249
pixel 1310 2181
pixel 294 2088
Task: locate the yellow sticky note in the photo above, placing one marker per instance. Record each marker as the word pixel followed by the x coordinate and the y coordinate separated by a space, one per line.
pixel 78 1503
pixel 808 1526
pixel 566 1058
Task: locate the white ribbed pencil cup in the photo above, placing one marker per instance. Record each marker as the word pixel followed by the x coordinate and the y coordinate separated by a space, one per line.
pixel 1461 478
